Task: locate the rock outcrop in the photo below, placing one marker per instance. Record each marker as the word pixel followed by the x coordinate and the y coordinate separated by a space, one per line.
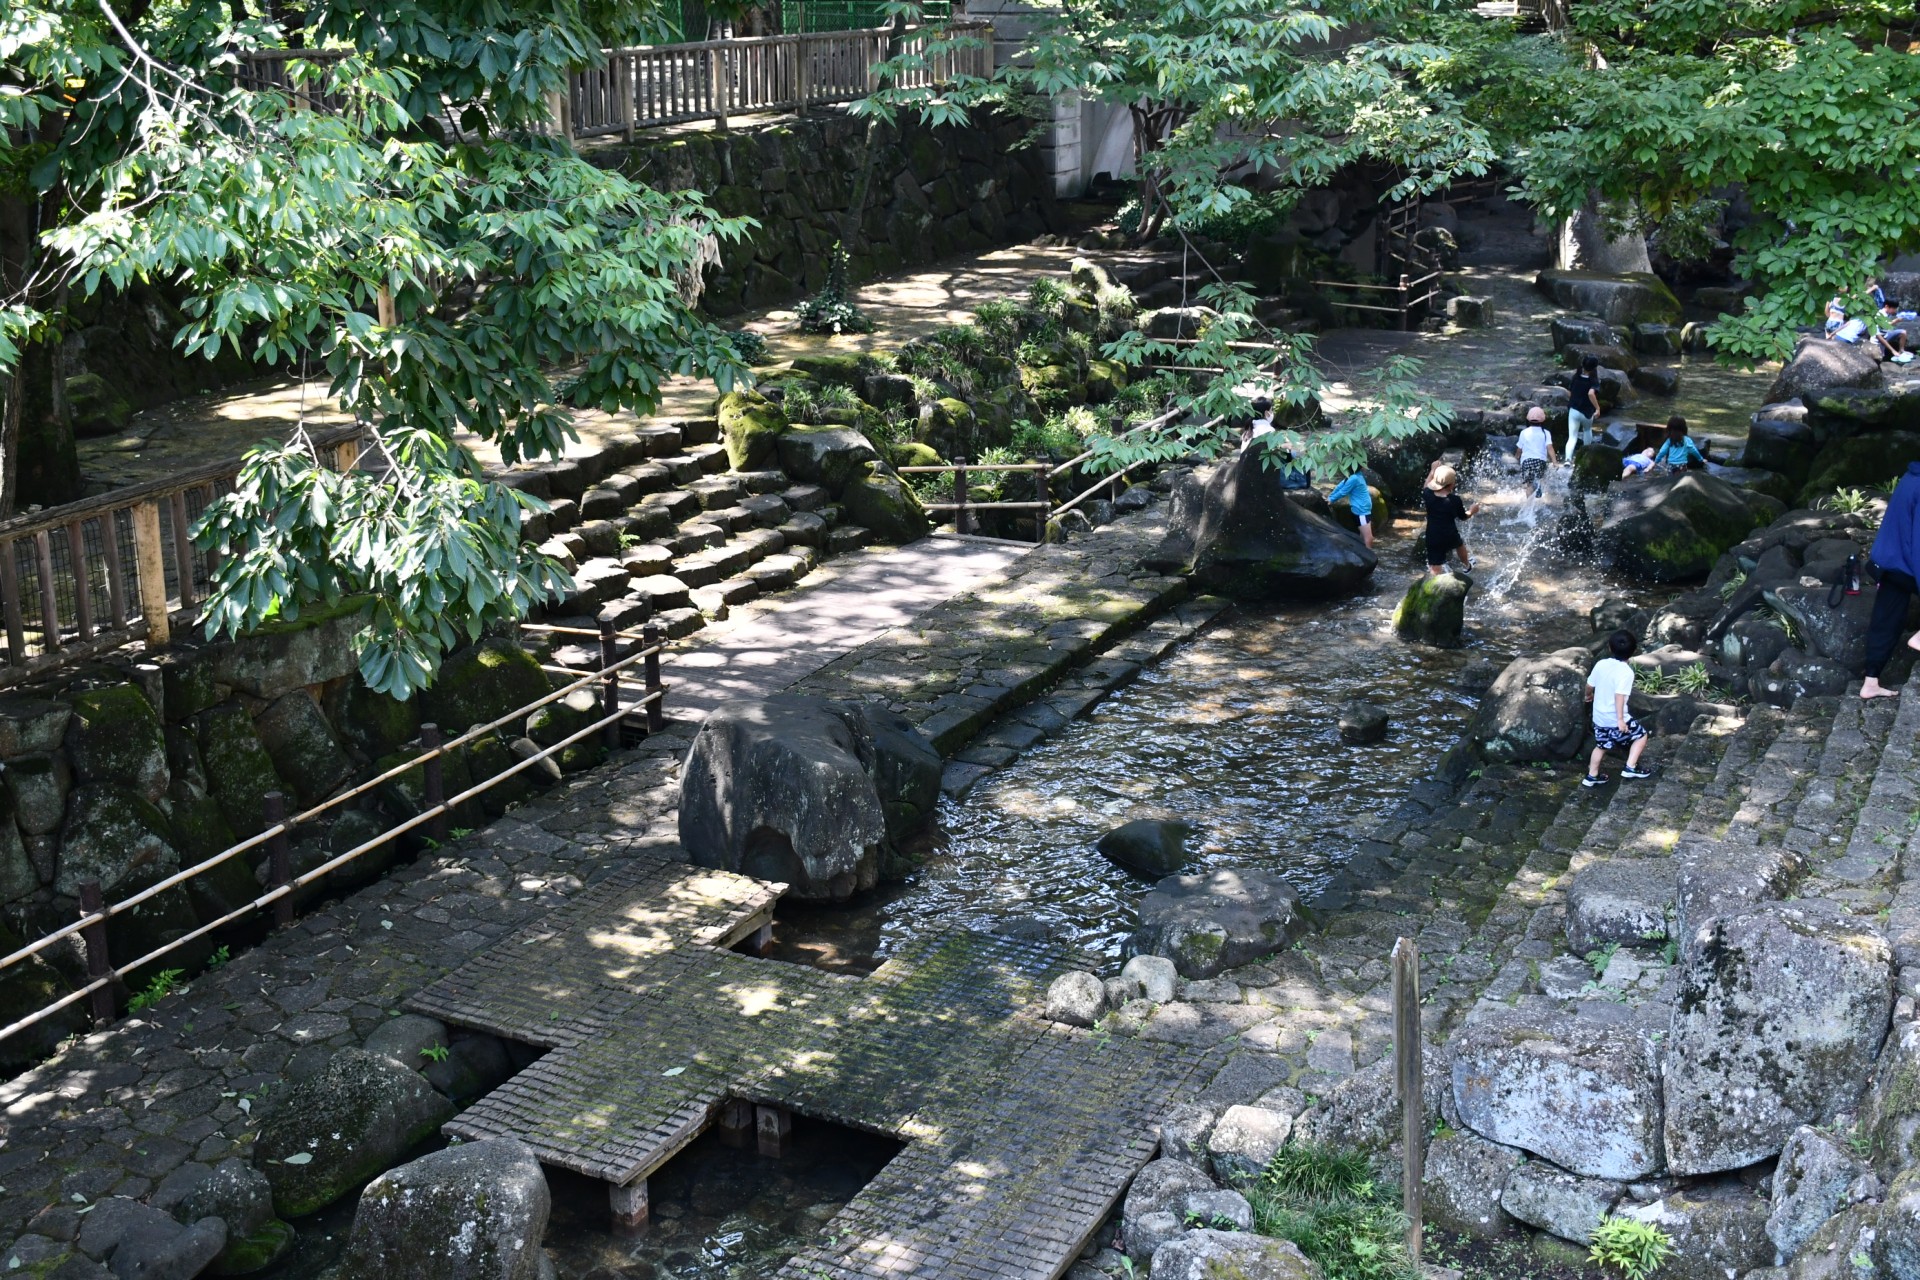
pixel 1673 528
pixel 1218 920
pixel 1243 535
pixel 472 1212
pixel 1536 709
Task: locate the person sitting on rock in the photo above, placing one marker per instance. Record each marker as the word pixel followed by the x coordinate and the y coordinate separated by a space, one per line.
pixel 1893 341
pixel 1359 501
pixel 1262 424
pixel 1678 450
pixel 1535 450
pixel 1896 552
pixel 1293 474
pixel 1636 464
pixel 1444 514
pixel 1583 405
pixel 1609 686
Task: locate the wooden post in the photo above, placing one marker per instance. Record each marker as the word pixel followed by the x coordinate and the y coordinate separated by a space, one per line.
pixel 116 573
pixel 279 857
pixel 1407 1082
pixel 627 68
pixel 383 308
pixel 95 938
pixel 49 603
pixel 736 1122
pixel 610 691
pixel 773 1125
pixel 182 547
pixel 762 942
pixel 1045 498
pixel 150 567
pixel 630 1207
pixel 717 86
pixel 346 455
pixel 960 499
pixel 10 603
pixel 656 692
pixel 1403 302
pixel 802 73
pixel 433 785
pixel 82 587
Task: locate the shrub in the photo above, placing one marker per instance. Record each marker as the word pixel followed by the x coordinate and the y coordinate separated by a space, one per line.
pixel 751 346
pixel 829 311
pixel 1633 1248
pixel 1329 1203
pixel 1051 438
pixel 1047 297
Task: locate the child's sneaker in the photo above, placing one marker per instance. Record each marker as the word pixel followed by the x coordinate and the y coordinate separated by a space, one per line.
pixel 1633 771
pixel 1594 780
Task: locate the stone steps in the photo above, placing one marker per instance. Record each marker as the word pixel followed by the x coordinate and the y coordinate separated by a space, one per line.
pixel 1862 810
pixel 656 528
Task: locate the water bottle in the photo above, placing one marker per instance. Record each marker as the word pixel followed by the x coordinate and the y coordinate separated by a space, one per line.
pixel 1853 575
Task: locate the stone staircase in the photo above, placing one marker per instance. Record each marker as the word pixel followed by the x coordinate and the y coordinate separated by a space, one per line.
pixel 655 527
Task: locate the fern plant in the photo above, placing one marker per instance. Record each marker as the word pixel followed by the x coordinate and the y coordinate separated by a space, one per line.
pixel 1631 1247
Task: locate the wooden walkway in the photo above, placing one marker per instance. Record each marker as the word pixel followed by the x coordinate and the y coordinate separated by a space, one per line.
pixel 1020 1133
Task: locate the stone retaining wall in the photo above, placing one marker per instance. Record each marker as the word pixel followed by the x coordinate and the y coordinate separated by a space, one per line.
pixel 894 195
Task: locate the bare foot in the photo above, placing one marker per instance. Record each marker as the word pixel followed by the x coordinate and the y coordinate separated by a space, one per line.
pixel 1870 688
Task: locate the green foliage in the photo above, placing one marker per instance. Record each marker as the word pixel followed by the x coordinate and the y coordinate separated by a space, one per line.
pixel 830 310
pixel 157 990
pixel 1329 1204
pixel 1848 502
pixel 221 955
pixel 435 1053
pixel 1600 959
pixel 1050 438
pixel 1732 585
pixel 490 283
pixel 1631 1247
pixel 1692 679
pixel 994 486
pixel 809 403
pixel 751 347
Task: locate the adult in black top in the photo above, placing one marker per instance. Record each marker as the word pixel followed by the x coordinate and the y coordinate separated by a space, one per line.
pixel 1583 405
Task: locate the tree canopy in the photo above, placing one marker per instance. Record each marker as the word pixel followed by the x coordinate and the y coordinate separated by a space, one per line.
pixel 451 270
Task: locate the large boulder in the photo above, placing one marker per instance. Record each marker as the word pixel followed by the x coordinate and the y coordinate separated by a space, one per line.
pixel 1149 847
pixel 1780 439
pixel 1673 528
pixel 1820 365
pixel 1245 1141
pixel 1780 1015
pixel 1626 299
pixel 1536 709
pixel 797 789
pixel 479 685
pixel 832 456
pixel 1580 1092
pixel 1625 901
pixel 1248 538
pixel 1217 920
pixel 114 738
pixel 240 1196
pixel 1434 610
pixel 750 426
pixel 1212 1255
pixel 1869 461
pixel 329 1134
pixel 1162 1186
pixel 1834 631
pixel 239 771
pixel 1462 1182
pixel 472 1212
pixel 1566 1204
pixel 139 1242
pixel 879 500
pixel 1588 243
pixel 303 747
pixel 111 833
pixel 1716 1230
pixel 1809 1186
pixel 1890 1115
pixel 1868 410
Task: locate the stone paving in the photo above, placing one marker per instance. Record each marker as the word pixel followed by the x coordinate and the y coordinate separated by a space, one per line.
pixel 186 1080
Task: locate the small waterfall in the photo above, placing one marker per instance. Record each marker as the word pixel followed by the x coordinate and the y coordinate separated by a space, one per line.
pixel 1516 538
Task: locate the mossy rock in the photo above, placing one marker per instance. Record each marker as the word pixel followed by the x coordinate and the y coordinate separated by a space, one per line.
pixel 1434 610
pixel 488 757
pixel 187 684
pixel 1595 467
pixel 560 720
pixel 303 747
pixel 98 408
pixel 751 426
pixel 115 737
pixel 480 684
pixel 25 988
pixel 289 654
pixel 109 833
pixel 371 724
pixel 950 413
pixel 1860 462
pixel 161 919
pixel 1052 377
pixel 248 1254
pixel 881 502
pixel 405 795
pixel 1105 379
pixel 912 454
pixel 327 1136
pixel 831 366
pixel 239 770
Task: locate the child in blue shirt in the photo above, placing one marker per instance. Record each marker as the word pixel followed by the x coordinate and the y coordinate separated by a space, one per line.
pixel 1359 501
pixel 1678 449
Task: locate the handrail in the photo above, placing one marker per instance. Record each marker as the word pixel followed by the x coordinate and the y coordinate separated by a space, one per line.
pixel 104 974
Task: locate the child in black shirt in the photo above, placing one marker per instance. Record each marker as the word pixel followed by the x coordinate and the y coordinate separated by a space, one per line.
pixel 1444 513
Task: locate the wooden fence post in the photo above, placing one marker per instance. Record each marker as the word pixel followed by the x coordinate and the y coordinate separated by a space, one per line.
pixel 717 86
pixel 627 68
pixel 16 622
pixel 960 499
pixel 279 858
pixel 95 938
pixel 1407 1082
pixel 150 565
pixel 1045 498
pixel 656 693
pixel 610 692
pixel 433 783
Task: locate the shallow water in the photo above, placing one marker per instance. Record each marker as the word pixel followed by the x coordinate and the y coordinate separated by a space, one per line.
pixel 1237 734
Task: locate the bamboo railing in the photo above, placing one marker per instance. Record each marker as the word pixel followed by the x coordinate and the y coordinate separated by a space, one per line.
pixel 81 579
pixel 95 922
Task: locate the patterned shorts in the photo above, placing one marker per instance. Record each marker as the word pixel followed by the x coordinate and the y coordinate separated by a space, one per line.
pixel 1613 739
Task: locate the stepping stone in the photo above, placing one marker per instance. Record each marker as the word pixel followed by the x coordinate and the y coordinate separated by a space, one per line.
pixel 564 513
pixel 683 469
pixel 697 535
pixel 804 529
pixel 649 477
pixel 602 503
pixel 562 551
pixel 806 497
pixel 775 573
pixel 663 591
pixel 649 524
pixel 677 503
pixel 566 478
pixel 733 519
pixel 704 568
pixel 847 537
pixel 711 603
pixel 730 591
pixel 624 612
pixel 643 562
pixel 600 537
pixel 625 449
pixel 677 624
pixel 766 509
pixel 711 457
pixel 763 481
pixel 716 491
pixel 660 441
pixel 762 542
pixel 699 430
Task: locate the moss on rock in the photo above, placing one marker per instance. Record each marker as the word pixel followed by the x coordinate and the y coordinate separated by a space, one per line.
pixel 481 684
pixel 1434 610
pixel 831 366
pixel 370 723
pixel 25 988
pixel 111 831
pixel 751 426
pixel 880 501
pixel 115 737
pixel 239 770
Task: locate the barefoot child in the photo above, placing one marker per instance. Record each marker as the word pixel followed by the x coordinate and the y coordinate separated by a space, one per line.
pixel 1608 688
pixel 1444 514
pixel 1359 501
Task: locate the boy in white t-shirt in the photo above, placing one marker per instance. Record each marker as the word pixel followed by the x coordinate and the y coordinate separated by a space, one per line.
pixel 1608 688
pixel 1535 449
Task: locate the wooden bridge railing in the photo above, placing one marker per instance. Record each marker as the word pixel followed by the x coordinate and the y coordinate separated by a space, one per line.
pixel 84 578
pixel 641 88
